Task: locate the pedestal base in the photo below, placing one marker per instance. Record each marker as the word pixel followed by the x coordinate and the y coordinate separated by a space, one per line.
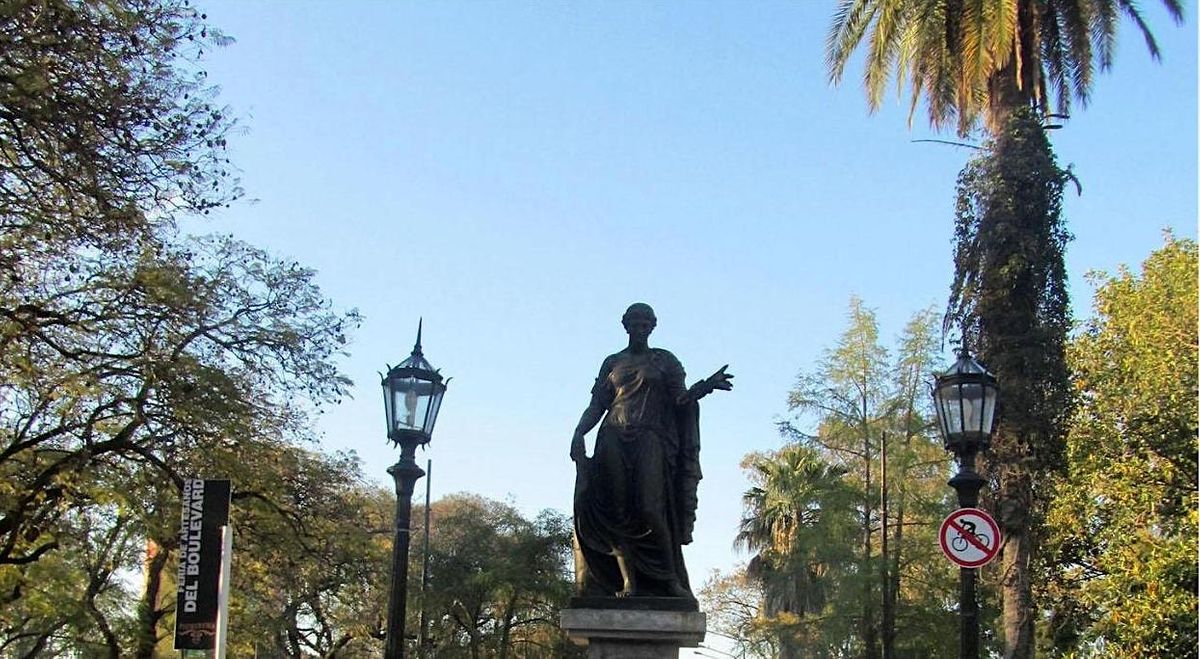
pixel 615 633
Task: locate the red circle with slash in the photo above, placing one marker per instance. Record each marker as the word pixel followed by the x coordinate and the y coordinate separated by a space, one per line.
pixel 970 537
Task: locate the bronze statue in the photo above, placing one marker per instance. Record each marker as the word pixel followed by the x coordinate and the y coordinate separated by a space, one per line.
pixel 635 498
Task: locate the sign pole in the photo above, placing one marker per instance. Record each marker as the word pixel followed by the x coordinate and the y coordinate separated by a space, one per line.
pixel 223 591
pixel 423 647
pixel 966 484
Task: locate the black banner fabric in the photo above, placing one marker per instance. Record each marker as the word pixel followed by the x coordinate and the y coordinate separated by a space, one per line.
pixel 205 511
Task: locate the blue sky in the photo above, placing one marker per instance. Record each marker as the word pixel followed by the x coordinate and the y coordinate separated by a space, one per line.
pixel 518 173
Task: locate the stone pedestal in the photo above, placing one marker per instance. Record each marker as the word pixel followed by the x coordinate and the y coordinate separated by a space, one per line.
pixel 633 633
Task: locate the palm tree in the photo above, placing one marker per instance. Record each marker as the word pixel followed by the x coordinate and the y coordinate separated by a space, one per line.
pixel 798 522
pixel 1000 61
pixel 989 57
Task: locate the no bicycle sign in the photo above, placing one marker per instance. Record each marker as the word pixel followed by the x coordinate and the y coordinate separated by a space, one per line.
pixel 970 537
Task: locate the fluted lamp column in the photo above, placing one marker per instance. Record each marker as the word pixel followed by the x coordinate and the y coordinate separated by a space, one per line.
pixel 412 396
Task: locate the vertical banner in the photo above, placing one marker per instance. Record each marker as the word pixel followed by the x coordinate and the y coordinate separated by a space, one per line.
pixel 205 511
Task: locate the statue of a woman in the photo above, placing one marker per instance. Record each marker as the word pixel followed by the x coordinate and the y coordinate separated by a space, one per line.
pixel 635 498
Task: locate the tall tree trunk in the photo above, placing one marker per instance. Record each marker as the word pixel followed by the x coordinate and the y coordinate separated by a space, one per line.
pixel 889 632
pixel 1015 501
pixel 869 626
pixel 787 647
pixel 885 563
pixel 293 638
pixel 148 612
pixel 889 638
pixel 506 619
pixel 111 644
pixel 1018 83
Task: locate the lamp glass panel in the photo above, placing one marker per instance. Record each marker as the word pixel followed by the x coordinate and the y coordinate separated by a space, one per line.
pixel 951 411
pixel 435 403
pixel 410 401
pixel 989 409
pixel 940 413
pixel 972 405
pixel 389 411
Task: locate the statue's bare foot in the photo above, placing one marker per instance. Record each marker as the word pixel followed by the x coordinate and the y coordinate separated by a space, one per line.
pixel 628 581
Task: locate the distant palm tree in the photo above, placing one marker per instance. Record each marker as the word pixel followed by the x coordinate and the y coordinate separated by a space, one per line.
pixel 797 522
pixel 989 57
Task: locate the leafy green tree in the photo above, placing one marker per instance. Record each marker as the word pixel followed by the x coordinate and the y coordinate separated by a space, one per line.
pixel 920 581
pixel 968 59
pixel 153 363
pixel 75 598
pixel 1121 559
pixel 109 135
pixel 110 127
pixel 848 391
pixel 733 602
pixel 496 580
pixel 130 356
pixel 313 561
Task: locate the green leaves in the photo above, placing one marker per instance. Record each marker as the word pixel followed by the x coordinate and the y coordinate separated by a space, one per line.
pixel 976 58
pixel 106 128
pixel 314 550
pixel 1121 529
pixel 497 579
pixel 1009 297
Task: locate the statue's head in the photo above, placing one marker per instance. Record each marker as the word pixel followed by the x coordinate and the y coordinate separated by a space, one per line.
pixel 640 317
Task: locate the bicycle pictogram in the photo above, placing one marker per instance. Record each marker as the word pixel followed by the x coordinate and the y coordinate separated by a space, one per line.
pixel 960 542
pixel 970 537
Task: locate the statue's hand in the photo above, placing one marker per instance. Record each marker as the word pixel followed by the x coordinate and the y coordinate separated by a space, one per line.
pixel 578 451
pixel 720 379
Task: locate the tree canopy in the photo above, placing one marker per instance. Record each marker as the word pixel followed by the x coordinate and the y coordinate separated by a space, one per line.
pixel 132 354
pixel 840 521
pixel 496 580
pixel 973 59
pixel 1121 559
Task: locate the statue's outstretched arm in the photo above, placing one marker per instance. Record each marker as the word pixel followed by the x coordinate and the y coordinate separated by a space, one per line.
pixel 719 380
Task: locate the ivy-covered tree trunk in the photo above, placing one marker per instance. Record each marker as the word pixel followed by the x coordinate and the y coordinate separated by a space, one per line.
pixel 1009 300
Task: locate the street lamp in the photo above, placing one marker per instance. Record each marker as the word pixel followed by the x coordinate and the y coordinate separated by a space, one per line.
pixel 412 395
pixel 964 399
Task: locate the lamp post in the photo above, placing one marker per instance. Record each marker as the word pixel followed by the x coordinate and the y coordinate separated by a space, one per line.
pixel 964 398
pixel 412 395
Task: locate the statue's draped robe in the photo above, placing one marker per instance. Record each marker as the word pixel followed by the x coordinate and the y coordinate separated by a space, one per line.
pixel 638 491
